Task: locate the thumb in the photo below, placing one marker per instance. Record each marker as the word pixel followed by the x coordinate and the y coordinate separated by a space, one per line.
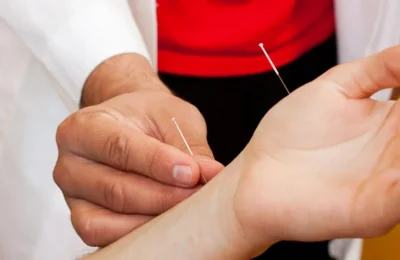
pixel 196 144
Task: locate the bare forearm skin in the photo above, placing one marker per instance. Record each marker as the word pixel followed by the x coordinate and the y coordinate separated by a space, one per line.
pixel 202 227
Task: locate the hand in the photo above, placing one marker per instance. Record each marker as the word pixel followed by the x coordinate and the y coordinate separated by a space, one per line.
pixel 121 162
pixel 325 162
pixel 321 165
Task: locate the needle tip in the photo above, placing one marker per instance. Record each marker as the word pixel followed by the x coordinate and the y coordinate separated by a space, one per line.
pixel 261 45
pixel 173 119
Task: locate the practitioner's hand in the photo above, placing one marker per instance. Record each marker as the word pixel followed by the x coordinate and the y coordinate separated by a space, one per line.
pixel 325 162
pixel 123 162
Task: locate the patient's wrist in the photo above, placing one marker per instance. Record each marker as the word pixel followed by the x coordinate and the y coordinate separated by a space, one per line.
pixel 201 227
pixel 247 203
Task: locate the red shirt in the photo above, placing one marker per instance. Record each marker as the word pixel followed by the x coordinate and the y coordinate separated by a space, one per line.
pixel 221 37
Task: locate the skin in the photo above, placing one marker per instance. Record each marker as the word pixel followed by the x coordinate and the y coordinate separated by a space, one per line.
pixel 323 164
pixel 119 157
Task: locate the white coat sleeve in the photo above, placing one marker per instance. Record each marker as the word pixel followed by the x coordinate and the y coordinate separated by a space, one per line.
pixel 72 37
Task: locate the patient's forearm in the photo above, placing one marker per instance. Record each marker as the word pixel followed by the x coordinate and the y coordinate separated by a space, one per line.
pixel 202 227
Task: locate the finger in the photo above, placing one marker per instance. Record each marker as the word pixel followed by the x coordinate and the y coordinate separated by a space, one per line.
pixel 209 168
pixel 115 190
pixel 100 227
pixel 376 209
pixel 362 78
pixel 194 132
pixel 97 136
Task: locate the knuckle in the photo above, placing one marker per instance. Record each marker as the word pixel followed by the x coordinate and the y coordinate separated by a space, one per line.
pixel 153 160
pixel 118 150
pixel 115 196
pixel 63 131
pixel 193 112
pixel 192 109
pixel 58 174
pixel 61 174
pixel 86 228
pixel 66 128
pixel 165 201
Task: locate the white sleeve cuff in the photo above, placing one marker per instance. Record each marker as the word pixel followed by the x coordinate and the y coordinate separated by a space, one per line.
pixel 87 39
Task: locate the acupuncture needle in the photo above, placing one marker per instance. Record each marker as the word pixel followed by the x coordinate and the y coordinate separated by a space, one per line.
pixel 276 72
pixel 273 67
pixel 186 144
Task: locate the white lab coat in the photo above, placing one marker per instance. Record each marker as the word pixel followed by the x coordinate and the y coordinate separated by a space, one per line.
pixel 47 50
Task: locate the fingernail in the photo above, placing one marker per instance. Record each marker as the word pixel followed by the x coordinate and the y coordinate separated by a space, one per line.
pixel 182 174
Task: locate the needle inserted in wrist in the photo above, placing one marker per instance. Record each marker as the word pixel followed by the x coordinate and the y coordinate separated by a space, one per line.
pixel 273 67
pixel 186 144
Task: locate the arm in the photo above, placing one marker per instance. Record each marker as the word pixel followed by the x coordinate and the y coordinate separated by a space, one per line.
pixel 73 37
pixel 202 227
pixel 293 182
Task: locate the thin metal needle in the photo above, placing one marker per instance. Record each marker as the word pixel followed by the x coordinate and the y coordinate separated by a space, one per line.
pixel 273 66
pixel 186 144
